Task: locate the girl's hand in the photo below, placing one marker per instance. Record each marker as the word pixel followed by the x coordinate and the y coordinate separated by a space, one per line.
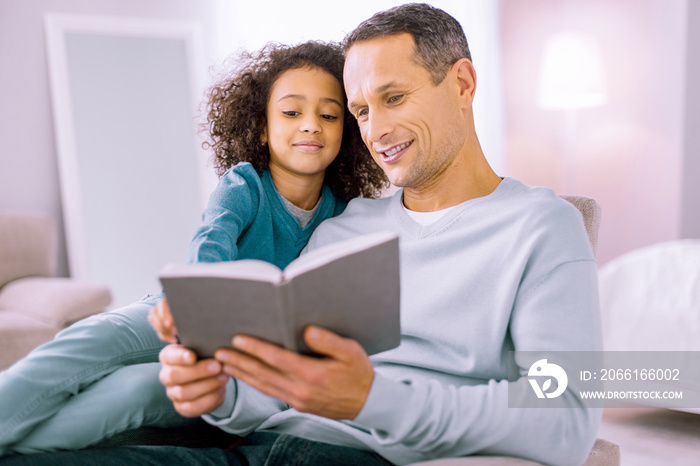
pixel 162 321
pixel 195 387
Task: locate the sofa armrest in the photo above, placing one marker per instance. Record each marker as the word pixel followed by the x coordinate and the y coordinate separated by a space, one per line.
pixel 55 300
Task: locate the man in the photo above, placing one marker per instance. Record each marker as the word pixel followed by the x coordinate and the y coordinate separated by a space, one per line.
pixel 488 265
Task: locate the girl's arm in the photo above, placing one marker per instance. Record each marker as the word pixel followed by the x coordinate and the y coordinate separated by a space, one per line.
pixel 231 209
pixel 162 321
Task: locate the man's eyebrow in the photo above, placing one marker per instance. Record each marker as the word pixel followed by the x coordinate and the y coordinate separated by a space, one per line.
pixel 301 97
pixel 381 89
pixel 385 87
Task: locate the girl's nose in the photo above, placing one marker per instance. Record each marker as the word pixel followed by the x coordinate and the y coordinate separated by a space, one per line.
pixel 310 124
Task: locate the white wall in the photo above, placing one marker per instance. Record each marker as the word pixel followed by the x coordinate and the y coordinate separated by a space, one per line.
pixel 690 206
pixel 28 168
pixel 28 164
pixel 639 156
pixel 250 25
pixel 631 154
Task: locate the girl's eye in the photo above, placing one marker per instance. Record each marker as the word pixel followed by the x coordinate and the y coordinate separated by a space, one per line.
pixel 329 117
pixel 291 113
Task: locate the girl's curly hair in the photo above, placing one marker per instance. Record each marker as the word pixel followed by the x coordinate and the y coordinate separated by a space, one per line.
pixel 236 110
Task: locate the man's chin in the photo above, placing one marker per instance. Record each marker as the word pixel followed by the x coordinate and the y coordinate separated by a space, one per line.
pixel 398 180
pixel 394 176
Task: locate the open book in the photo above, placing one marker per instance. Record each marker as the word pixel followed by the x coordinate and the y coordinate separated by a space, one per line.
pixel 350 287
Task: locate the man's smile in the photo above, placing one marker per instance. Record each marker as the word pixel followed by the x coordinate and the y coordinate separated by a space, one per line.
pixel 393 153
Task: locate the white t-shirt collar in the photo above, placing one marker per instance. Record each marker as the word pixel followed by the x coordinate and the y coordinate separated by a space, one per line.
pixel 426 218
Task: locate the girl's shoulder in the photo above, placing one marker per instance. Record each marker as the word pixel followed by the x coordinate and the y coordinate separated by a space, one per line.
pixel 242 172
pixel 242 175
pixel 240 182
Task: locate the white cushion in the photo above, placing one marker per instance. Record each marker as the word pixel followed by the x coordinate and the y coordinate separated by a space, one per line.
pixel 650 298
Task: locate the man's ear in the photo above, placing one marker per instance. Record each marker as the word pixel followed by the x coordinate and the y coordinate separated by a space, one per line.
pixel 466 77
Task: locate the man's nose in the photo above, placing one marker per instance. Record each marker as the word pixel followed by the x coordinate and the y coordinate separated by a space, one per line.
pixel 310 124
pixel 378 126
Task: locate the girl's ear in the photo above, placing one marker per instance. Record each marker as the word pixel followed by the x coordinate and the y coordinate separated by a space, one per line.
pixel 263 136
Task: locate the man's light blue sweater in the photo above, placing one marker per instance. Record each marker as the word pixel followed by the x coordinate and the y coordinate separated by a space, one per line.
pixel 509 271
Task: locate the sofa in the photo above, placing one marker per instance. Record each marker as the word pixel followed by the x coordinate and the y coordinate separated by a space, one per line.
pixel 34 304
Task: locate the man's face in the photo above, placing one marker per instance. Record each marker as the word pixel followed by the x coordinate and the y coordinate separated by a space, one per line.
pixel 413 128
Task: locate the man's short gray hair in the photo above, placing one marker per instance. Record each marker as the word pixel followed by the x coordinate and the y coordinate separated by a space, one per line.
pixel 439 38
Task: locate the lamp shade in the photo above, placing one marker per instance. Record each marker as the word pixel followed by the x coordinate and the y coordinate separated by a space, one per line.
pixel 572 73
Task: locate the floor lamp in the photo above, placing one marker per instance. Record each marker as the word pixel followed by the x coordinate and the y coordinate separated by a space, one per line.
pixel 572 77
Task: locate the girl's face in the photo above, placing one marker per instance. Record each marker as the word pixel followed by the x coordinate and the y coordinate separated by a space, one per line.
pixel 304 125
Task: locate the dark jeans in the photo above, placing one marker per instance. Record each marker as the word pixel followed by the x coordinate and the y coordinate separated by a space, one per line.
pixel 258 449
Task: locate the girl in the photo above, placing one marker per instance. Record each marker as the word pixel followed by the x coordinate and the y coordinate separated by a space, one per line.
pixel 289 156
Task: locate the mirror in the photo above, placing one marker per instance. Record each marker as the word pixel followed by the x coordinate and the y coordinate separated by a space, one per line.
pixel 133 176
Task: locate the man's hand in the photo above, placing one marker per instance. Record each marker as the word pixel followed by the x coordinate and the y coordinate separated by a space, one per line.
pixel 334 386
pixel 195 387
pixel 162 321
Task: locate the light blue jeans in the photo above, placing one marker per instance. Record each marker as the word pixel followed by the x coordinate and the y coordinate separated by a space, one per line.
pixel 96 378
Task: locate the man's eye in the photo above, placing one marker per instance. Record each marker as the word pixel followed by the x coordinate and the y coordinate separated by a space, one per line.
pixel 291 113
pixel 395 98
pixel 362 112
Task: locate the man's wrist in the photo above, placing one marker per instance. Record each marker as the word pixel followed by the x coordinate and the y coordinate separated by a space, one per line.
pixel 226 408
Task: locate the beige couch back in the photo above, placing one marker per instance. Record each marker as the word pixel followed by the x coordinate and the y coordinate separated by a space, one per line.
pixel 27 246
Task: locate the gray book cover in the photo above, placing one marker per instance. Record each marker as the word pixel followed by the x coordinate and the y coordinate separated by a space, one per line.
pixel 350 287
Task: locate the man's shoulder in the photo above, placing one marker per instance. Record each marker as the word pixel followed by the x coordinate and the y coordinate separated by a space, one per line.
pixel 545 217
pixel 361 216
pixel 540 203
pixel 364 205
pixel 362 208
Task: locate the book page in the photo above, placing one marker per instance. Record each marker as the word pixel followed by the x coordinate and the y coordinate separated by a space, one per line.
pixel 331 252
pixel 248 269
pixel 350 287
pixel 209 311
pixel 356 296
